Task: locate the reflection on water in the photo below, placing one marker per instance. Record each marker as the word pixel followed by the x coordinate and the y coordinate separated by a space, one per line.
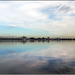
pixel 53 57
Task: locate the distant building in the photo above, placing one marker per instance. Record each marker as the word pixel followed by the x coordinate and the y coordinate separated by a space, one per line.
pixel 23 38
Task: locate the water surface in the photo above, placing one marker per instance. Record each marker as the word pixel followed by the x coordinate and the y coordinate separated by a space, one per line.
pixel 34 57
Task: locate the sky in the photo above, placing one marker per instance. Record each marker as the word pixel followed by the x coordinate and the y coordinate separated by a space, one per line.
pixel 37 18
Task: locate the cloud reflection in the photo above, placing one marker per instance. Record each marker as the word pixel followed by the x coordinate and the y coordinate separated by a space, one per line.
pixel 54 57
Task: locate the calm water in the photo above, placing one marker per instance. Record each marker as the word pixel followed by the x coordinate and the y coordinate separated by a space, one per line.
pixel 52 57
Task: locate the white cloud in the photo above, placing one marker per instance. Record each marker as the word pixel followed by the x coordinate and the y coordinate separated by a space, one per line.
pixel 29 14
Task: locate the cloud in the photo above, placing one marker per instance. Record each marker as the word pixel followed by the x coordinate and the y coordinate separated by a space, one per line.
pixel 52 16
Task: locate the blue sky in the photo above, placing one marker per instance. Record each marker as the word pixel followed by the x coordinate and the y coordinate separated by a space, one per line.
pixel 37 18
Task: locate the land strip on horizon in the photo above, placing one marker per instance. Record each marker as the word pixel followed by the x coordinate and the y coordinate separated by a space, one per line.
pixel 33 39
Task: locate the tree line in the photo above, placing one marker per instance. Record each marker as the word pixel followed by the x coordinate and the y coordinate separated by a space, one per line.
pixel 23 38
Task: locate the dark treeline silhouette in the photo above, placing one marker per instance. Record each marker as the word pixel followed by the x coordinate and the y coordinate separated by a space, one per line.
pixel 33 39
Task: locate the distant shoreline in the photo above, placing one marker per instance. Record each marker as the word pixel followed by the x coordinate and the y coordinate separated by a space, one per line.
pixel 33 39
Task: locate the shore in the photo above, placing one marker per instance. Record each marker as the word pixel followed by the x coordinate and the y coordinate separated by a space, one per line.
pixel 33 39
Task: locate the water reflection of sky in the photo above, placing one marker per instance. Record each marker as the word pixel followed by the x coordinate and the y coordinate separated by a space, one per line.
pixel 53 57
